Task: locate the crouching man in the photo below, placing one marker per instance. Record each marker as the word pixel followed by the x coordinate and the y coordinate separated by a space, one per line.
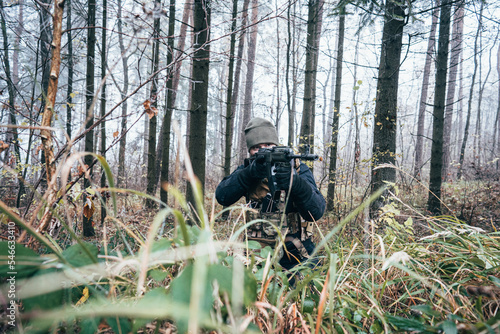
pixel 297 196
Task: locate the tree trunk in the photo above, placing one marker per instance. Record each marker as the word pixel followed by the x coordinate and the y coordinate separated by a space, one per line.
pixel 469 103
pixel 385 120
pixel 165 135
pixel 237 71
pixel 103 103
pixel 17 41
pixel 12 110
pixel 336 111
pixel 229 128
pixel 247 104
pixel 153 120
pixel 417 167
pixel 434 201
pixel 496 128
pixel 290 96
pixel 123 126
pixel 312 49
pixel 69 91
pixel 44 16
pixel 186 16
pixel 456 50
pixel 46 134
pixel 199 99
pixel 88 228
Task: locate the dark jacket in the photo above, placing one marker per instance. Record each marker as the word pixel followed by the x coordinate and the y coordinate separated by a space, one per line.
pixel 305 199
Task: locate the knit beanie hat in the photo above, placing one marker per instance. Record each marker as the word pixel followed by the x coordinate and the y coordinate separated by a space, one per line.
pixel 260 131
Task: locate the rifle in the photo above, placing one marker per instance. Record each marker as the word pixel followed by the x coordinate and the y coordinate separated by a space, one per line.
pixel 280 155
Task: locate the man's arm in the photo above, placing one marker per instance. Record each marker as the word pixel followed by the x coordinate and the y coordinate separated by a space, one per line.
pixel 231 188
pixel 236 185
pixel 306 196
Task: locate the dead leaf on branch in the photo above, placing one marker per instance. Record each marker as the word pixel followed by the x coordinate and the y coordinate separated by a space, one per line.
pixel 38 149
pixel 3 146
pixel 115 134
pixel 151 111
pixel 83 170
pixel 88 209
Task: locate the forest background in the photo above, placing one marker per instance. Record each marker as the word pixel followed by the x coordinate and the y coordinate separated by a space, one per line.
pixel 399 93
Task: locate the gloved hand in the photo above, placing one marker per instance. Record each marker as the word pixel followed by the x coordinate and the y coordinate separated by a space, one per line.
pixel 283 176
pixel 258 168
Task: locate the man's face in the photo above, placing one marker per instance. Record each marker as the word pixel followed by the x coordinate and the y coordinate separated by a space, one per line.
pixel 254 149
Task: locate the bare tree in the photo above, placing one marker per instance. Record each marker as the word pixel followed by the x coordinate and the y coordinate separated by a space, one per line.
pixel 88 228
pixel 434 201
pixel 417 166
pixel 167 119
pixel 471 94
pixel 456 50
pixel 123 93
pixel 69 90
pixel 229 124
pixel 314 20
pixel 103 100
pixel 11 106
pixel 332 169
pixel 152 107
pixel 199 99
pixel 247 104
pixel 385 120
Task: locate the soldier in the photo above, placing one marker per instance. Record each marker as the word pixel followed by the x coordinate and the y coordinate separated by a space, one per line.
pixel 305 203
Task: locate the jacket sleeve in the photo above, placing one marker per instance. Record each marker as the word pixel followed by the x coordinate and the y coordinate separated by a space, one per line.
pixel 306 197
pixel 233 187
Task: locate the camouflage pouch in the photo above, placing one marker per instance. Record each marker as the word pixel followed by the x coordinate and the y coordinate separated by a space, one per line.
pixel 266 233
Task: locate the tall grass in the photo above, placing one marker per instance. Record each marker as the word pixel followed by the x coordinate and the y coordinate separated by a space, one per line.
pixel 207 277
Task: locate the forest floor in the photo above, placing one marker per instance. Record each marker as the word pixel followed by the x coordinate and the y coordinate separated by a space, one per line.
pixel 476 204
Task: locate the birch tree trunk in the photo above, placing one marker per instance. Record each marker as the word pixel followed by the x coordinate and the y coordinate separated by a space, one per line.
pixel 44 45
pixel 46 134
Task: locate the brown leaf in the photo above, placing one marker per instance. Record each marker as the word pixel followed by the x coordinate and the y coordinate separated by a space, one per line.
pixel 151 111
pixel 3 146
pixel 39 148
pixel 115 134
pixel 88 209
pixel 82 170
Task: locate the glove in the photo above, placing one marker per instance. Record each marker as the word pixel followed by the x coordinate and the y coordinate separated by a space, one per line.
pixel 283 176
pixel 258 168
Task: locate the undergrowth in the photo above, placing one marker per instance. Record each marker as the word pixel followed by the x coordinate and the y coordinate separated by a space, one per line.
pixel 146 274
